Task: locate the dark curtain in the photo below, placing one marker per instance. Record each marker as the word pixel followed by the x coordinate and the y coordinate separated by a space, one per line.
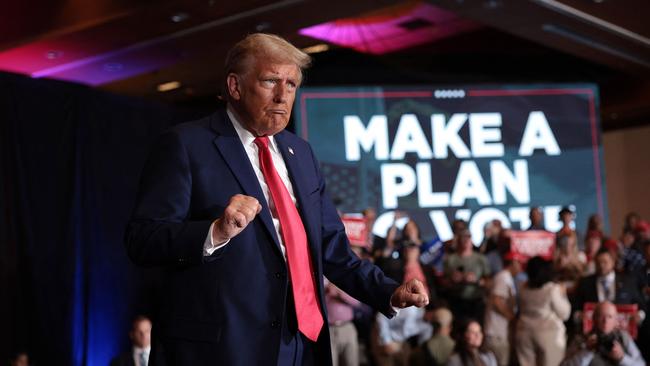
pixel 70 159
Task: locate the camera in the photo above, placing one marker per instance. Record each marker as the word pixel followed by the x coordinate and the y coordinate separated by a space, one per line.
pixel 606 342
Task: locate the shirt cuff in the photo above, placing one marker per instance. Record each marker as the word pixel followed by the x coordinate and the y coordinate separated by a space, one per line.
pixel 208 246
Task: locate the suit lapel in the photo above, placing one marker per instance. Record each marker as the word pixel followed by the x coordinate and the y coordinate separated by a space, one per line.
pixel 234 155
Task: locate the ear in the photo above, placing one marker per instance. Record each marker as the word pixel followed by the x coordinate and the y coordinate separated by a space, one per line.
pixel 234 87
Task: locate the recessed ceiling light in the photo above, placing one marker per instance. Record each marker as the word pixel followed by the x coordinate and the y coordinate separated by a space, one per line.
pixel 321 47
pixel 179 17
pixel 170 85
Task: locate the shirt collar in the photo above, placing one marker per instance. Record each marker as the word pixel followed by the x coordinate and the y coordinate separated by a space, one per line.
pixel 138 350
pixel 609 277
pixel 245 135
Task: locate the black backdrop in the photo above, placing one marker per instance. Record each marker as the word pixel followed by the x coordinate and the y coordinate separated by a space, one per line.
pixel 70 159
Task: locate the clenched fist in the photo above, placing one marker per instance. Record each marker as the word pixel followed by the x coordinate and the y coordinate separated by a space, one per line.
pixel 240 212
pixel 411 293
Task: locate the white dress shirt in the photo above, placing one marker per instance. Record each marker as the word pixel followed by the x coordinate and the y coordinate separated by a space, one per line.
pixel 136 355
pixel 247 139
pixel 609 281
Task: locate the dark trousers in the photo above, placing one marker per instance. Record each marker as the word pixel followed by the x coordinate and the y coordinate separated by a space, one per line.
pixel 295 348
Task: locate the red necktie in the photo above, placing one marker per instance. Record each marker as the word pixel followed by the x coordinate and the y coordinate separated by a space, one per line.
pixel 310 320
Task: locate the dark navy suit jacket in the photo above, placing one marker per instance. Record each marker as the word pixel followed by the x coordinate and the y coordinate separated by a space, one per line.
pixel 227 309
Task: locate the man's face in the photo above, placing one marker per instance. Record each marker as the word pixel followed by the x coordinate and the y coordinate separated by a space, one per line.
pixel 604 264
pixel 263 96
pixel 21 360
pixel 141 334
pixel 606 319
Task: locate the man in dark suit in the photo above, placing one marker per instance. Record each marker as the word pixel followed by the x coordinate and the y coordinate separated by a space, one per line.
pixel 607 285
pixel 140 351
pixel 236 210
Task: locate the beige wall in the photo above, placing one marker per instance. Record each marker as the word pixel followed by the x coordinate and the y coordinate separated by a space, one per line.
pixel 627 173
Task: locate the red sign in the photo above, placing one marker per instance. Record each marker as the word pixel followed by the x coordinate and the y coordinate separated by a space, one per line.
pixel 626 317
pixel 356 230
pixel 528 244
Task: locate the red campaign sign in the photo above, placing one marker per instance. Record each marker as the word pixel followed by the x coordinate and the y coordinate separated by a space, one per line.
pixel 532 243
pixel 626 317
pixel 356 230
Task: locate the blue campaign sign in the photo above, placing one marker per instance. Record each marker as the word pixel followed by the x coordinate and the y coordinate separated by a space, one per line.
pixel 472 152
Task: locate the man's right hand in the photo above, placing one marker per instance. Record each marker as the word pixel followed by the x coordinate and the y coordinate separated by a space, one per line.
pixel 240 212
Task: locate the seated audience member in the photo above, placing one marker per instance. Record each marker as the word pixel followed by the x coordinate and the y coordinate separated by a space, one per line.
pixel 140 336
pixel 464 274
pixel 19 359
pixel 568 261
pixel 536 219
pixel 543 308
pixel 469 347
pixel 501 309
pixel 343 333
pixel 437 350
pixel 390 343
pixel 606 344
pixel 607 285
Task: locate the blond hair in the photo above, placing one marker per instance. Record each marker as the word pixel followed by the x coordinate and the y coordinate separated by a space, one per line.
pixel 264 47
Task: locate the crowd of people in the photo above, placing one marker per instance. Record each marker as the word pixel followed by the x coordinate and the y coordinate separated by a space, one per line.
pixel 493 306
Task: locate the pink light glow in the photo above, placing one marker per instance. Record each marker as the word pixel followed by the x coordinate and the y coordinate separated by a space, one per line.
pixel 379 34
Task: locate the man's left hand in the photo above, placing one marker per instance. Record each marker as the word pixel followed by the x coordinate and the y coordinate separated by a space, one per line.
pixel 411 293
pixel 617 352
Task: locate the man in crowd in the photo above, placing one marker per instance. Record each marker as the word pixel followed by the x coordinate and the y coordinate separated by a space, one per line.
pixel 465 274
pixel 607 285
pixel 140 351
pixel 606 344
pixel 235 209
pixel 536 219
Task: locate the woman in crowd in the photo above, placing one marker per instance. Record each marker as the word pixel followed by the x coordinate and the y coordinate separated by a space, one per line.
pixel 469 347
pixel 593 243
pixel 568 261
pixel 544 306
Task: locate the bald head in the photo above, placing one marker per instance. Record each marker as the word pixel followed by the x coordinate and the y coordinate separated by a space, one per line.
pixel 605 317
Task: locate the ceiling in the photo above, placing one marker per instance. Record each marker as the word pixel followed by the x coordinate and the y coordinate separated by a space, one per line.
pixel 130 47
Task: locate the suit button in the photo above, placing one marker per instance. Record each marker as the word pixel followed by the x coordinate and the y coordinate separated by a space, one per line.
pixel 278 275
pixel 275 324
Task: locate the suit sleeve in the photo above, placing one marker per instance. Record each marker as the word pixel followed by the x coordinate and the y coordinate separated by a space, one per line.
pixel 160 233
pixel 359 278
